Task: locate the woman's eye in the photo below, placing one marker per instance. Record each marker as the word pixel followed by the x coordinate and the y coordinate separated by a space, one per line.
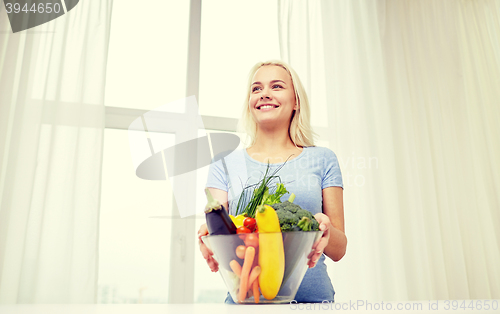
pixel 255 88
pixel 277 86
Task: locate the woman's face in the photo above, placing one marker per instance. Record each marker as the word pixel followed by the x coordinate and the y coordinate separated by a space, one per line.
pixel 272 96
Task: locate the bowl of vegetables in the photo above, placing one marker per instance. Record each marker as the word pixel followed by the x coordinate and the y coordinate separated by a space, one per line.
pixel 256 273
pixel 262 259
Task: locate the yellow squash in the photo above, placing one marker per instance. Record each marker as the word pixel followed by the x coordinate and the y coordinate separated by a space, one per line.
pixel 271 252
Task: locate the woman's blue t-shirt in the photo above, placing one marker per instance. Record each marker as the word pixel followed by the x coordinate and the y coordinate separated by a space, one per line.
pixel 306 175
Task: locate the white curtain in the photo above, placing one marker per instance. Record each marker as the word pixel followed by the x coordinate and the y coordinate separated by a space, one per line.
pixel 412 96
pixel 51 135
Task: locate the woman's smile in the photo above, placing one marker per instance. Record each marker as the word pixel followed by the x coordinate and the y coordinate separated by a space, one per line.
pixel 266 107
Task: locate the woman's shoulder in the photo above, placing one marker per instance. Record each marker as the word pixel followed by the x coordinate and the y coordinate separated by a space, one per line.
pixel 320 151
pixel 236 154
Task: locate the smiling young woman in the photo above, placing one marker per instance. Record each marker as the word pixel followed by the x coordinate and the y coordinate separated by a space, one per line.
pixel 277 120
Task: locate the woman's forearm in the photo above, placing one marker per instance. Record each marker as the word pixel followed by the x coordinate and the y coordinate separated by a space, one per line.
pixel 337 244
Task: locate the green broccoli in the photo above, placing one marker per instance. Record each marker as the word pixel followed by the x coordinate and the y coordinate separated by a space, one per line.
pixel 315 224
pixel 304 213
pixel 286 205
pixel 305 224
pixel 293 218
pixel 287 220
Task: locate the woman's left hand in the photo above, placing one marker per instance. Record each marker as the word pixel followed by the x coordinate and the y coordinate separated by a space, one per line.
pixel 318 247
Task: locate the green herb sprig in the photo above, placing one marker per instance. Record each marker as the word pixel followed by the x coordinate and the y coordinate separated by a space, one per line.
pixel 257 194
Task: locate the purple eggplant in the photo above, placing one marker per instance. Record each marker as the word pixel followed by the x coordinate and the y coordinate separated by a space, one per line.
pixel 218 220
pixel 219 223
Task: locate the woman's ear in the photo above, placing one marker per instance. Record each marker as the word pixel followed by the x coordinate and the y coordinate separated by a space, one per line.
pixel 296 107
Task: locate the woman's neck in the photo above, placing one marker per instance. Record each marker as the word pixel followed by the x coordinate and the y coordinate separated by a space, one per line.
pixel 273 146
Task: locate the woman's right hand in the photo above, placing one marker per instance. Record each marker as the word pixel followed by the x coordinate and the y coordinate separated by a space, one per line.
pixel 205 251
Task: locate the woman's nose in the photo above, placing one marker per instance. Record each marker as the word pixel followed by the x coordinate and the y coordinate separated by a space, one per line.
pixel 265 95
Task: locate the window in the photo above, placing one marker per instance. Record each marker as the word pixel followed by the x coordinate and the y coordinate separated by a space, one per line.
pixel 147 56
pixel 234 36
pixel 133 247
pixel 147 68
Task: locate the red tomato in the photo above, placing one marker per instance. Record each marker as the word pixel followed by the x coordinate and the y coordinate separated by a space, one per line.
pixel 243 229
pixel 252 239
pixel 250 223
pixel 240 251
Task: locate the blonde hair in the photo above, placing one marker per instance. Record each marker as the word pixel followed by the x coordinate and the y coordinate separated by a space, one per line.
pixel 300 130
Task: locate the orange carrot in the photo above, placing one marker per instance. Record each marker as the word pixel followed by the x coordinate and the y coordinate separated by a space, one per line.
pixel 236 267
pixel 245 272
pixel 255 288
pixel 240 251
pixel 253 275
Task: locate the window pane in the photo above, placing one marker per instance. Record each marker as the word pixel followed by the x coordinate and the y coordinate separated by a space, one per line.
pixel 234 36
pixel 133 247
pixel 147 58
